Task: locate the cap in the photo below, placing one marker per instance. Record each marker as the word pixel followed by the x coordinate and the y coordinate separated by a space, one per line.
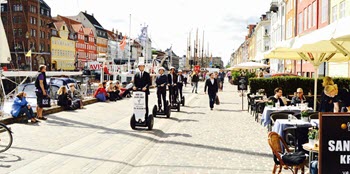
pixel 161 68
pixel 180 70
pixel 141 64
pixel 172 68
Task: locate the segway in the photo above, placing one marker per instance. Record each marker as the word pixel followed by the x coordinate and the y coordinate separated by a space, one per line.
pixel 183 100
pixel 175 105
pixel 158 111
pixel 139 118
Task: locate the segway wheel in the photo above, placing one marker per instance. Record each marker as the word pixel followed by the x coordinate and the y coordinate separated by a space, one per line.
pixel 133 122
pixel 183 101
pixel 150 122
pixel 178 106
pixel 154 111
pixel 168 111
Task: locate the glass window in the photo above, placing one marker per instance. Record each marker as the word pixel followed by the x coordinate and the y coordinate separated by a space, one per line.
pixel 300 23
pixel 324 11
pixel 2 8
pixel 314 14
pixel 309 18
pixel 305 18
pixel 342 9
pixel 334 13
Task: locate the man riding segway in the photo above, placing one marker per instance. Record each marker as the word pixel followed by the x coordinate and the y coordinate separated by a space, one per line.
pixel 172 85
pixel 180 83
pixel 142 82
pixel 161 82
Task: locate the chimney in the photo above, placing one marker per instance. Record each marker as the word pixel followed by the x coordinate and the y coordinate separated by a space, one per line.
pixel 85 11
pixel 92 14
pixel 112 30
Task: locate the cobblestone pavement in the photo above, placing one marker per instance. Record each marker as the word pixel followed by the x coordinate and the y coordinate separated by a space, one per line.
pixel 98 139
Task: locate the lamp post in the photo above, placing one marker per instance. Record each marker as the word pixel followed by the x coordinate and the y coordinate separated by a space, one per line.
pixel 30 58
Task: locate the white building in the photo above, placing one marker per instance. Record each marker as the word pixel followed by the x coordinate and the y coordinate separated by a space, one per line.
pixel 262 36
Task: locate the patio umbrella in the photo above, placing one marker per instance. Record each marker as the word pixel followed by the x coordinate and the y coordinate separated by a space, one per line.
pixel 329 44
pixel 249 65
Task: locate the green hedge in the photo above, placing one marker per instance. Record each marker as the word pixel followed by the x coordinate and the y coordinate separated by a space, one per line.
pixel 290 84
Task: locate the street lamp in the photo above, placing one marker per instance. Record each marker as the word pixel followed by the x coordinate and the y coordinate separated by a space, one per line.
pixel 30 58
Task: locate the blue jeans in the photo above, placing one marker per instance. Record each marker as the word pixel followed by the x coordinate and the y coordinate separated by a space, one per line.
pixel 314 167
pixel 29 112
pixel 211 99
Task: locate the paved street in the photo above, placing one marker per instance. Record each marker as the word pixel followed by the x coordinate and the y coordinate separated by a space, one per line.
pixel 99 139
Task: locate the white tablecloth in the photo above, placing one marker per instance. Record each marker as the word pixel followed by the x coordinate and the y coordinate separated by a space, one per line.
pixel 266 120
pixel 282 124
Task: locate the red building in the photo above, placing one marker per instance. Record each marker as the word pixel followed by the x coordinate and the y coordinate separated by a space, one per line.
pixel 311 15
pixel 91 48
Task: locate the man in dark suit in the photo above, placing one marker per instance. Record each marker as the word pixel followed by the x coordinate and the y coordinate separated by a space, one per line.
pixel 213 89
pixel 172 82
pixel 180 83
pixel 161 81
pixel 142 80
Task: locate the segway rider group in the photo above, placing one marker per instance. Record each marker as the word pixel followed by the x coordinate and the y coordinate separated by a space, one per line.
pixel 172 85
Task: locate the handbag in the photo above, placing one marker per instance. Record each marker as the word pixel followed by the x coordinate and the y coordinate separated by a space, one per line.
pixel 294 158
pixel 217 101
pixel 46 102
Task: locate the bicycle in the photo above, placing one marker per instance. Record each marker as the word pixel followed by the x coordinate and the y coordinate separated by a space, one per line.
pixel 5 138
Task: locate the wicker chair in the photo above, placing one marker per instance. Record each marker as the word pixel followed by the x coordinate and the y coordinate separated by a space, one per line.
pixel 275 141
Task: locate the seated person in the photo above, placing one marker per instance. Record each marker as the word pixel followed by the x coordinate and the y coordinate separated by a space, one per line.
pixel 299 98
pixel 116 88
pixel 112 92
pixel 126 92
pixel 101 93
pixel 341 98
pixel 277 98
pixel 20 106
pixel 63 99
pixel 77 98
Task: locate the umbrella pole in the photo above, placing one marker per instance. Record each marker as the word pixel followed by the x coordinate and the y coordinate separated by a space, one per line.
pixel 315 85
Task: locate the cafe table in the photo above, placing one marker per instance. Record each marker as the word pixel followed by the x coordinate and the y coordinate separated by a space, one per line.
pixel 266 120
pixel 312 149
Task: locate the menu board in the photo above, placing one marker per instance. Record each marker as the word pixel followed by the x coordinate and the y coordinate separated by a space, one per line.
pixel 242 83
pixel 334 154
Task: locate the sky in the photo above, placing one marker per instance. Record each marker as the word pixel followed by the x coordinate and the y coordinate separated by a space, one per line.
pixel 224 22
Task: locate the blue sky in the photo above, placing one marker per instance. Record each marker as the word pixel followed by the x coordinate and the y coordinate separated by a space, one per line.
pixel 170 21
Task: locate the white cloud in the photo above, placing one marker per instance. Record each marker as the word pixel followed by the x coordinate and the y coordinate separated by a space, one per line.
pixel 169 21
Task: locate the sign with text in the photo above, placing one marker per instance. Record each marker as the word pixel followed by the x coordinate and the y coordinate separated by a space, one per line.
pixel 95 65
pixel 139 105
pixel 242 83
pixel 334 154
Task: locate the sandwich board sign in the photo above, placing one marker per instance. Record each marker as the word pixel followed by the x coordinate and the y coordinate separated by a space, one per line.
pixel 334 150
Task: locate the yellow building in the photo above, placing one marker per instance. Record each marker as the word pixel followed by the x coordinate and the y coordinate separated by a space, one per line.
pixel 338 10
pixel 62 47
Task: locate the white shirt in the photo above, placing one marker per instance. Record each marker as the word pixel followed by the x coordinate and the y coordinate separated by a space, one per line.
pixel 178 79
pixel 172 79
pixel 212 81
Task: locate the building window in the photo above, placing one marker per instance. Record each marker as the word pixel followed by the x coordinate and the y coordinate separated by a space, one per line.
pixel 42 11
pixel 33 33
pixel 342 9
pixel 2 8
pixel 14 32
pixel 314 14
pixel 305 19
pixel 32 9
pixel 309 18
pixel 17 7
pixel 334 13
pixel 300 23
pixel 20 32
pixel 324 16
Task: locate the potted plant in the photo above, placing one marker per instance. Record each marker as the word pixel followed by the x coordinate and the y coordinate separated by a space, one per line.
pixel 305 115
pixel 312 135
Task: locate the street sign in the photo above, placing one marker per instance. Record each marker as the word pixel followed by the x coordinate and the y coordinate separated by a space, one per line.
pixel 242 83
pixel 334 150
pixel 197 68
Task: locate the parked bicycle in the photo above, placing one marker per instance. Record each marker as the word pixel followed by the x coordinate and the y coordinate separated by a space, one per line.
pixel 5 138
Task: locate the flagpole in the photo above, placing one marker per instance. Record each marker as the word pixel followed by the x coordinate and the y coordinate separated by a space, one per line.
pixel 202 50
pixel 31 62
pixel 129 56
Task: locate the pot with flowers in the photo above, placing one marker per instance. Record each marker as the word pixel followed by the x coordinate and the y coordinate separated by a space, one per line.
pixel 313 136
pixel 305 115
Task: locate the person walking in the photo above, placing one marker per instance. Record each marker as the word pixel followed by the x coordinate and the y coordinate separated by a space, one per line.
pixel 221 78
pixel 142 80
pixel 180 81
pixel 41 91
pixel 185 75
pixel 195 79
pixel 212 85
pixel 161 82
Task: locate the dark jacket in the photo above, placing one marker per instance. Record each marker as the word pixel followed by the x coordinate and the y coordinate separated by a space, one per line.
pixel 296 100
pixel 275 100
pixel 181 81
pixel 37 83
pixel 162 79
pixel 326 104
pixel 195 78
pixel 174 80
pixel 145 81
pixel 63 100
pixel 212 88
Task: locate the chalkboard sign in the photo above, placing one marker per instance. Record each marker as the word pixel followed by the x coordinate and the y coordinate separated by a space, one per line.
pixel 242 83
pixel 334 154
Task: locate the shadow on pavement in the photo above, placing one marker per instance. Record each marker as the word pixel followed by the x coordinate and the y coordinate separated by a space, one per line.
pixel 228 110
pixel 198 113
pixel 178 120
pixel 137 135
pixel 6 157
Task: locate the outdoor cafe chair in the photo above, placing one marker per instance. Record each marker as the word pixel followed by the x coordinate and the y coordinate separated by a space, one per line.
pixel 277 115
pixel 313 115
pixel 260 109
pixel 278 145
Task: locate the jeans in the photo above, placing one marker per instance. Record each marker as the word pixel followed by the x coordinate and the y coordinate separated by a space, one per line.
pixel 212 97
pixel 29 112
pixel 195 86
pixel 314 167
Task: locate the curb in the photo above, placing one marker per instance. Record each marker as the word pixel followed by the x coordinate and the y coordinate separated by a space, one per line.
pixel 54 109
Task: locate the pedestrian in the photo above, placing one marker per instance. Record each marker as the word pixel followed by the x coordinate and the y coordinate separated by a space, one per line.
pixel 212 86
pixel 326 104
pixel 195 79
pixel 63 99
pixel 20 106
pixel 229 76
pixel 41 91
pixel 75 96
pixel 185 78
pixel 172 82
pixel 222 79
pixel 142 80
pixel 161 82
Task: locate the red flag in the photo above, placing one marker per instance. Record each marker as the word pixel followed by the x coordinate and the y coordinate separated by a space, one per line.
pixel 123 43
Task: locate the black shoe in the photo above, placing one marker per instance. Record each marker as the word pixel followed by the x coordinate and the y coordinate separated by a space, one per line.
pixel 211 108
pixel 196 92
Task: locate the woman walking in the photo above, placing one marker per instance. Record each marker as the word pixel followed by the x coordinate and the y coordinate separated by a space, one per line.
pixel 213 88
